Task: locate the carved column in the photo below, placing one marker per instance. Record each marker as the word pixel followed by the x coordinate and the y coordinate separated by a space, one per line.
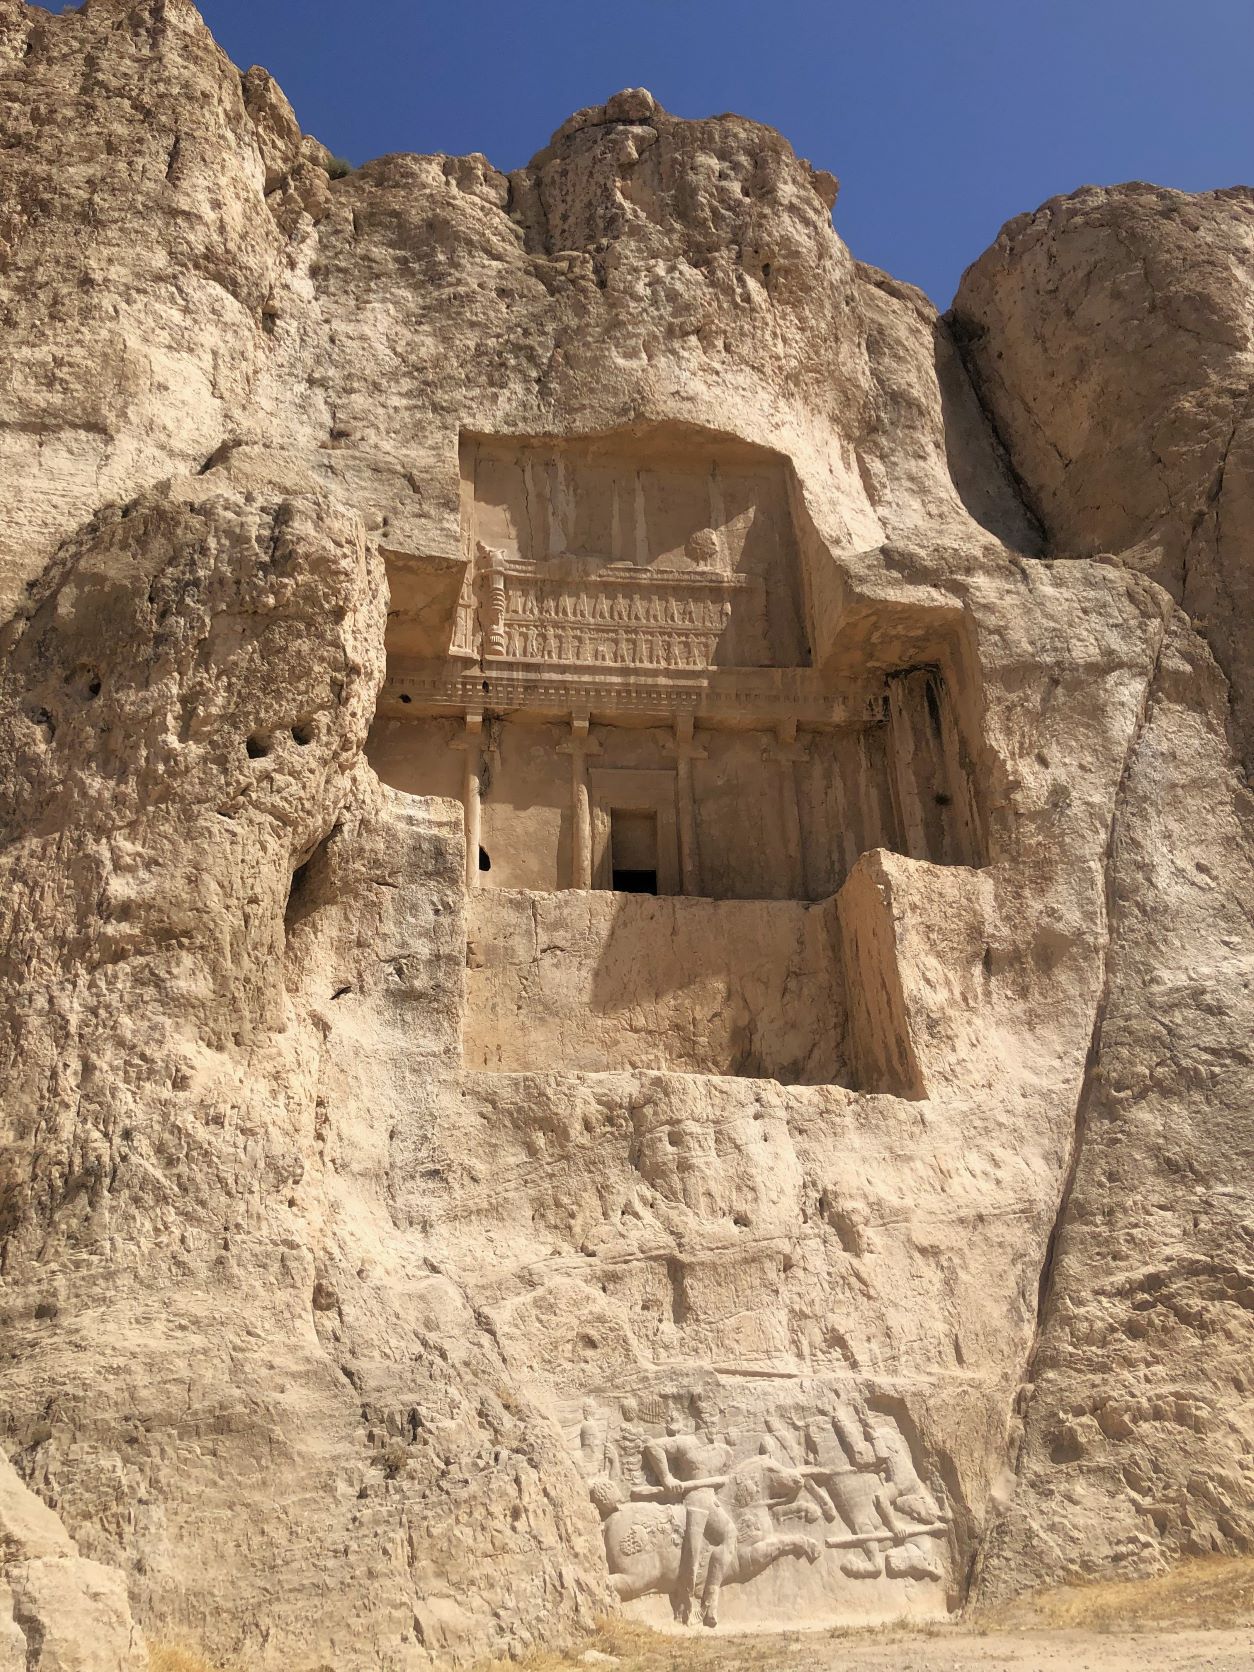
pixel 579 746
pixel 685 752
pixel 788 750
pixel 471 742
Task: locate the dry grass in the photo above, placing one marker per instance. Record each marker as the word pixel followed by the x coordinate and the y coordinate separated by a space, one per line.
pixel 173 1657
pixel 636 1648
pixel 632 1645
pixel 1206 1591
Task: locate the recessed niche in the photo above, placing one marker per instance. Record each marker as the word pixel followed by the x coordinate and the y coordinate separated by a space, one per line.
pixel 613 674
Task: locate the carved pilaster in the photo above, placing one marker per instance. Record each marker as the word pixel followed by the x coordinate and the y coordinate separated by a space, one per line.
pixel 788 750
pixel 579 746
pixel 471 743
pixel 492 600
pixel 685 752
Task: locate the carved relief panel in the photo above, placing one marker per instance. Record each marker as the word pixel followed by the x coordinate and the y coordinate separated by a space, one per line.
pixel 658 551
pixel 570 614
pixel 812 1504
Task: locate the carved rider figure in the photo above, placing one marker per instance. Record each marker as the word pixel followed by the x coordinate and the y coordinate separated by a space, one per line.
pixel 644 1541
pixel 691 1467
pixel 910 1496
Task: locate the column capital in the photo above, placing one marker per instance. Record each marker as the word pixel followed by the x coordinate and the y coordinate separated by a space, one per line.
pixel 472 736
pixel 786 745
pixel 683 745
pixel 580 741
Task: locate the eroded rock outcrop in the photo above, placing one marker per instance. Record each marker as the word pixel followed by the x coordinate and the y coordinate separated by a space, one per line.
pixel 402 1256
pixel 1111 334
pixel 58 1612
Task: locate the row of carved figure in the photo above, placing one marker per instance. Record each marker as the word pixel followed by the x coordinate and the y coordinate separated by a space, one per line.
pixel 687 1510
pixel 627 621
pixel 617 607
pixel 646 650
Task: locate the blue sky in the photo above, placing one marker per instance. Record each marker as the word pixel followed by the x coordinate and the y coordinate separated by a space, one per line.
pixel 942 118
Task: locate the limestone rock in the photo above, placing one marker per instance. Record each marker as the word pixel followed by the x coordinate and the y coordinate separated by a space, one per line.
pixel 279 138
pixel 1111 334
pixel 29 1531
pixel 58 1613
pixel 121 110
pixel 624 956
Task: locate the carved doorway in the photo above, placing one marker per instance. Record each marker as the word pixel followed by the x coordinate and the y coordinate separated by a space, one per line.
pixel 634 830
pixel 633 851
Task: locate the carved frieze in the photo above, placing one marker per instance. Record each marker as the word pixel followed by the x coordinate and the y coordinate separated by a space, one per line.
pixel 769 693
pixel 578 616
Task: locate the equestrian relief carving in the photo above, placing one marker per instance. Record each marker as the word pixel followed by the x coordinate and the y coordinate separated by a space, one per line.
pixel 693 1497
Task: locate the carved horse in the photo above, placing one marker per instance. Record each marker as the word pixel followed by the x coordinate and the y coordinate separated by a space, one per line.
pixel 644 1544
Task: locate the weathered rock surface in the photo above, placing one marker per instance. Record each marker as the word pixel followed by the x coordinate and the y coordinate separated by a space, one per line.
pixel 1111 335
pixel 326 1305
pixel 58 1612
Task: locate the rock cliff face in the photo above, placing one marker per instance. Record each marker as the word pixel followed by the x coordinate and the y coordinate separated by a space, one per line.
pixel 1111 335
pixel 363 1308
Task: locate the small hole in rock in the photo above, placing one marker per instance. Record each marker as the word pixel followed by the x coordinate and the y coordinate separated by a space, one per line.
pixel 258 746
pixel 405 697
pixel 943 800
pixel 84 681
pixel 303 733
pixel 340 992
pixel 485 864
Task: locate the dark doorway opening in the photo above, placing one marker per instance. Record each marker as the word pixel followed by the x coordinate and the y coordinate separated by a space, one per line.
pixel 485 864
pixel 635 882
pixel 633 851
